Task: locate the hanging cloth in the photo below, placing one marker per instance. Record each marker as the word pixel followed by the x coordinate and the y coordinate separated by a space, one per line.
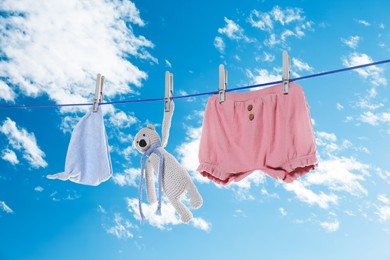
pixel 88 158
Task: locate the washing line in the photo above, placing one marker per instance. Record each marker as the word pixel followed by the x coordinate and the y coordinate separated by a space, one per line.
pixel 203 93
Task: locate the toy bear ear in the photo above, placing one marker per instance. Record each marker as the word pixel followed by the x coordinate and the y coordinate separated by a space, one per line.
pixel 150 126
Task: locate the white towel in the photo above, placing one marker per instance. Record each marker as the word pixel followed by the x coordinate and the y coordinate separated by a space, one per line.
pixel 88 158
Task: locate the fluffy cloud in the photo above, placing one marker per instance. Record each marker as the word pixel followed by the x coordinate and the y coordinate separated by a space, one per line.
pixel 291 21
pixel 6 93
pixel 301 65
pixel 373 73
pixel 38 189
pixel 121 227
pixel 58 47
pixel 330 226
pixel 265 20
pixel 219 44
pixel 340 174
pixel 383 211
pixel 282 211
pixel 188 153
pixel 352 42
pixel 363 22
pixel 233 31
pixel 122 120
pixel 5 208
pixel 259 76
pixel 10 156
pixel 24 141
pixel 374 118
pixel 168 215
pixel 310 197
pixel 128 178
pixel 169 65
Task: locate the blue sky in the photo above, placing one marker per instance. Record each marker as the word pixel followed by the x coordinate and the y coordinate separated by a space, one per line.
pixel 51 52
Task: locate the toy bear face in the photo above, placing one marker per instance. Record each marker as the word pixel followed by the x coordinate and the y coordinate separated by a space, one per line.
pixel 145 138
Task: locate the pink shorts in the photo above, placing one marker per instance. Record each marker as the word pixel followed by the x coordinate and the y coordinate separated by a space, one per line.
pixel 259 130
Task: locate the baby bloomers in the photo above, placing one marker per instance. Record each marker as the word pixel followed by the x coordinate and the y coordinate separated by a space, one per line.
pixel 259 130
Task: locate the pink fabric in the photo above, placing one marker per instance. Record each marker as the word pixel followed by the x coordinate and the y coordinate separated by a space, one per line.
pixel 279 139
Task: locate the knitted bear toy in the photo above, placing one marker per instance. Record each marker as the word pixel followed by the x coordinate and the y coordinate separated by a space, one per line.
pixel 172 176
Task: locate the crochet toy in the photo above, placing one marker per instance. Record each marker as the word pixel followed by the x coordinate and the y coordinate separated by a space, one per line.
pixel 172 177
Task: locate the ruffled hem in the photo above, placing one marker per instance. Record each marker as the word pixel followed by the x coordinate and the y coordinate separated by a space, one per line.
pixel 213 173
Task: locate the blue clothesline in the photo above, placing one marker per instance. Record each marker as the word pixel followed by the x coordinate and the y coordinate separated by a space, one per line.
pixel 203 93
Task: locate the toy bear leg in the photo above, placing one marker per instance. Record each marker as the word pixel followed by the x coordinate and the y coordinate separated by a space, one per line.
pixel 184 212
pixel 149 175
pixel 196 200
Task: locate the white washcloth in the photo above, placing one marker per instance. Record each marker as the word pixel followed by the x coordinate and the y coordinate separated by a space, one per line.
pixel 88 158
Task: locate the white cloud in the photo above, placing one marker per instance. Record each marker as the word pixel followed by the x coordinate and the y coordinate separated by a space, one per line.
pixel 330 226
pixel 121 120
pixel 286 34
pixel 383 213
pixel 291 20
pixel 219 44
pixel 121 227
pixel 6 93
pixel 5 208
pixel 101 209
pixel 72 41
pixel 255 178
pixel 168 63
pixel 201 224
pixel 352 42
pixel 310 197
pixel 68 123
pixel 372 73
pixel 259 76
pixel 272 41
pixel 22 140
pixel 301 65
pixel 10 156
pixel 339 107
pixel 168 215
pixel 239 213
pixel 260 20
pixel 382 198
pixel 233 31
pixel 128 10
pixel 374 119
pixel 128 178
pixel 188 153
pixel 265 20
pixel 340 174
pixel 38 188
pixel 287 15
pixel 363 22
pixel 364 103
pixel 282 211
pixel 268 57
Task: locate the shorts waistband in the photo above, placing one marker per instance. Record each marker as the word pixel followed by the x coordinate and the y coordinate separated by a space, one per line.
pixel 243 96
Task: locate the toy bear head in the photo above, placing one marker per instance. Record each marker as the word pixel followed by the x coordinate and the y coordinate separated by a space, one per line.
pixel 145 138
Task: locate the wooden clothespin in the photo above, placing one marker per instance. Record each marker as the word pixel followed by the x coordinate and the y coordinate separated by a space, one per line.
pixel 222 83
pixel 98 92
pixel 168 91
pixel 286 72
